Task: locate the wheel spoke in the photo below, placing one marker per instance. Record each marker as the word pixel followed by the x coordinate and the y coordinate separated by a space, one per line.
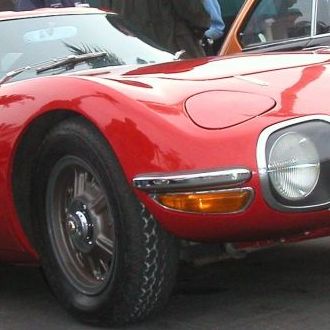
pixel 79 182
pixel 95 269
pixel 91 264
pixel 104 266
pixel 105 245
pixel 80 259
pixel 99 203
pixel 69 195
pixel 83 234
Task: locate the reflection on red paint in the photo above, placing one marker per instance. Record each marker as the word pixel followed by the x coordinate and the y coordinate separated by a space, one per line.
pixel 289 95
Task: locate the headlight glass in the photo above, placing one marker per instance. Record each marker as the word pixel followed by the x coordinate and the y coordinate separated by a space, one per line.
pixel 293 166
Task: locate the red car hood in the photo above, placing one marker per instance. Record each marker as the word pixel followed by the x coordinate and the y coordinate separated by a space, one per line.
pixel 210 100
pixel 222 67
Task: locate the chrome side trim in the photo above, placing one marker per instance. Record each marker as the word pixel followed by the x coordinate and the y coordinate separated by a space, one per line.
pixel 262 164
pixel 191 181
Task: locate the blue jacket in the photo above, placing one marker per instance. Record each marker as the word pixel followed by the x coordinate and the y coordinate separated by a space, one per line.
pixel 217 26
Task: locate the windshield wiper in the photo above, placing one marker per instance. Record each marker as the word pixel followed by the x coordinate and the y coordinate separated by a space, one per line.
pixel 12 74
pixel 69 61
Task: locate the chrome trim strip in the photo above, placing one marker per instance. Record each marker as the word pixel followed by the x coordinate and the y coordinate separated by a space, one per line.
pixel 323 35
pixel 248 203
pixel 252 80
pixel 314 18
pixel 274 43
pixel 191 181
pixel 262 163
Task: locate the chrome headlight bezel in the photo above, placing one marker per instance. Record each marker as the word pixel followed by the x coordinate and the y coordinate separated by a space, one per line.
pixel 317 129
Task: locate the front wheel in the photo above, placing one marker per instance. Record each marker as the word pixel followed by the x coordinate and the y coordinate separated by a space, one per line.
pixel 103 254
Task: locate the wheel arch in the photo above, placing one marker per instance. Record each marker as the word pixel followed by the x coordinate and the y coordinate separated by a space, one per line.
pixel 24 160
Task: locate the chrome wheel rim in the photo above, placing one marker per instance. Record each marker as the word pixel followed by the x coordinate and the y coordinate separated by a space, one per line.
pixel 80 224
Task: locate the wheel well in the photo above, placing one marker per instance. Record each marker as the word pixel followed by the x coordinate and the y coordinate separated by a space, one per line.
pixel 24 161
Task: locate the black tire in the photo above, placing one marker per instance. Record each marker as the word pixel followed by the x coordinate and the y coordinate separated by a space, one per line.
pixel 133 275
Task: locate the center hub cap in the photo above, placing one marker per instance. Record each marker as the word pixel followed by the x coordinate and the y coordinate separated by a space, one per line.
pixel 79 226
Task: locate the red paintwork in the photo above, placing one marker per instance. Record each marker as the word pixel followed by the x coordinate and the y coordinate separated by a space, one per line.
pixel 141 112
pixel 246 105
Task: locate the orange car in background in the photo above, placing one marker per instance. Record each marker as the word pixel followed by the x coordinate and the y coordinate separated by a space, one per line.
pixel 275 25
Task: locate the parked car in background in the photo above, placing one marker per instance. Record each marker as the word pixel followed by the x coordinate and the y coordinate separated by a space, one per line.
pixel 116 160
pixel 278 25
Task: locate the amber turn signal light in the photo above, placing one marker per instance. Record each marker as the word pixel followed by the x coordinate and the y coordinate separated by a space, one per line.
pixel 223 201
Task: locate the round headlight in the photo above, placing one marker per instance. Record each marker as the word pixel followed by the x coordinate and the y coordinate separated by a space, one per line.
pixel 293 166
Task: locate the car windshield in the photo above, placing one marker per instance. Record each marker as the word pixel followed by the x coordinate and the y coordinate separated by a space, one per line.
pixel 40 39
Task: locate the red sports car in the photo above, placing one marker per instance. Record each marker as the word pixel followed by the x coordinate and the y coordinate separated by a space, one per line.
pixel 114 157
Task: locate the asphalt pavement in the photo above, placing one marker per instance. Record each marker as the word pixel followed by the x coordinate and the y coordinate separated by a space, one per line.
pixel 284 287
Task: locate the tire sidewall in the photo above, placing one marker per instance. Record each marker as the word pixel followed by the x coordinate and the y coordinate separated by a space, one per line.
pixel 79 139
